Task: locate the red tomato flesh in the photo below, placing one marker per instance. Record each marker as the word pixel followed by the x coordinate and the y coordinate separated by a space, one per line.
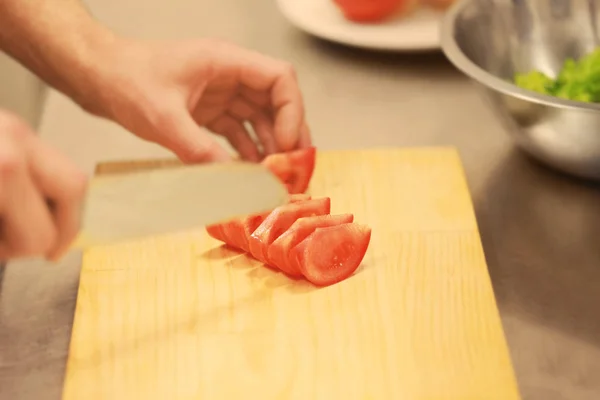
pixel 236 233
pixel 233 232
pixel 330 255
pixel 279 250
pixel 368 10
pixel 216 232
pixel 294 168
pixel 280 220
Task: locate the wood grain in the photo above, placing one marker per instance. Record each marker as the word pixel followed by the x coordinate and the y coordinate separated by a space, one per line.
pixel 182 317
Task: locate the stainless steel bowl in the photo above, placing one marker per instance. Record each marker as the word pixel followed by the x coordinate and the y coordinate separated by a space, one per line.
pixel 490 40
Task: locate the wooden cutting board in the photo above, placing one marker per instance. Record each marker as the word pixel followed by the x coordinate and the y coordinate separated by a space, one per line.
pixel 181 317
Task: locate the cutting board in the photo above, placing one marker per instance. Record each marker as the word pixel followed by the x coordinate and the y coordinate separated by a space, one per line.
pixel 181 317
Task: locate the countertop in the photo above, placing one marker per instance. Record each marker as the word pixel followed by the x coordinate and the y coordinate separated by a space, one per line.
pixel 539 228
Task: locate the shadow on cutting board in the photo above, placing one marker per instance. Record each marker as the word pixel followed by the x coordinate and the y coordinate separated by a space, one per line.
pixel 269 277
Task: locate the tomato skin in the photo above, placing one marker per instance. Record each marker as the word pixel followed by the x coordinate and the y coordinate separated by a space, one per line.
pixel 280 220
pixel 332 254
pixel 294 168
pixel 279 250
pixel 368 10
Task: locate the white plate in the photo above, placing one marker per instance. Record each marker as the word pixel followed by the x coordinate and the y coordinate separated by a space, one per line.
pixel 416 31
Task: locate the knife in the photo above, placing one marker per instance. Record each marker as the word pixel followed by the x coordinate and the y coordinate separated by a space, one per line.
pixel 138 204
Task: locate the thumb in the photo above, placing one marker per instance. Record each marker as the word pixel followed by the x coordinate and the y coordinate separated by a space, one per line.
pixel 189 142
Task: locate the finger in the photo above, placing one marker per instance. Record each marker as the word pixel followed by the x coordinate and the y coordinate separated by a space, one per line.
pixel 179 133
pixel 262 125
pixel 64 184
pixel 305 138
pixel 261 99
pixel 27 225
pixel 237 135
pixel 262 73
pixel 289 112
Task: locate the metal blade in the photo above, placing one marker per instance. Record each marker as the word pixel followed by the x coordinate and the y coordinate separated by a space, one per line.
pixel 132 205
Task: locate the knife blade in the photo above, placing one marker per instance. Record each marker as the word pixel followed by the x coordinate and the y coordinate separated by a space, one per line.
pixel 137 204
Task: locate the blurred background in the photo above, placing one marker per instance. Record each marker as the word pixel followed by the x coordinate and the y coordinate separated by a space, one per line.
pixel 20 91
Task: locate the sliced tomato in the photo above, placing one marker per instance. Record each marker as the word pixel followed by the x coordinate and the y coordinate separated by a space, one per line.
pixel 236 233
pixel 294 168
pixel 233 231
pixel 249 225
pixel 280 220
pixel 330 255
pixel 216 232
pixel 278 252
pixel 369 10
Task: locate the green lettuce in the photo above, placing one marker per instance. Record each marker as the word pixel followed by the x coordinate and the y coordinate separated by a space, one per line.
pixel 577 80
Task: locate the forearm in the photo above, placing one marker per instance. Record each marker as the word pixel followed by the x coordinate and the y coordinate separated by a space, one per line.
pixel 56 39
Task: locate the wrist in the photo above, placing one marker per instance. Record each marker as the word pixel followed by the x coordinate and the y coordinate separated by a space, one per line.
pixel 58 41
pixel 84 74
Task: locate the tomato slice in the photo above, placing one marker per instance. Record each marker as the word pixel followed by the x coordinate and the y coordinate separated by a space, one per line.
pixel 279 250
pixel 330 255
pixel 369 10
pixel 280 220
pixel 216 232
pixel 236 233
pixel 249 225
pixel 233 231
pixel 294 168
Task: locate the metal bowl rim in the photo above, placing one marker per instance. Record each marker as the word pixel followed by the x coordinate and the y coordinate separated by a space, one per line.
pixel 454 53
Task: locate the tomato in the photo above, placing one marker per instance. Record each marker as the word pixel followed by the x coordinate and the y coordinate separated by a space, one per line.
pixel 369 10
pixel 294 168
pixel 233 232
pixel 331 254
pixel 280 220
pixel 278 252
pixel 236 233
pixel 249 225
pixel 216 232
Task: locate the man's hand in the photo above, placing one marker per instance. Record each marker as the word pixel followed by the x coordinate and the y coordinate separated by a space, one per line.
pixel 163 92
pixel 31 174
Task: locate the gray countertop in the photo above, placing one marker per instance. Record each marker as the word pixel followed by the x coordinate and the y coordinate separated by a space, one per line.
pixel 539 228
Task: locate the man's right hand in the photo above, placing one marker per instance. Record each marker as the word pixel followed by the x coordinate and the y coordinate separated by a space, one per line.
pixel 31 176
